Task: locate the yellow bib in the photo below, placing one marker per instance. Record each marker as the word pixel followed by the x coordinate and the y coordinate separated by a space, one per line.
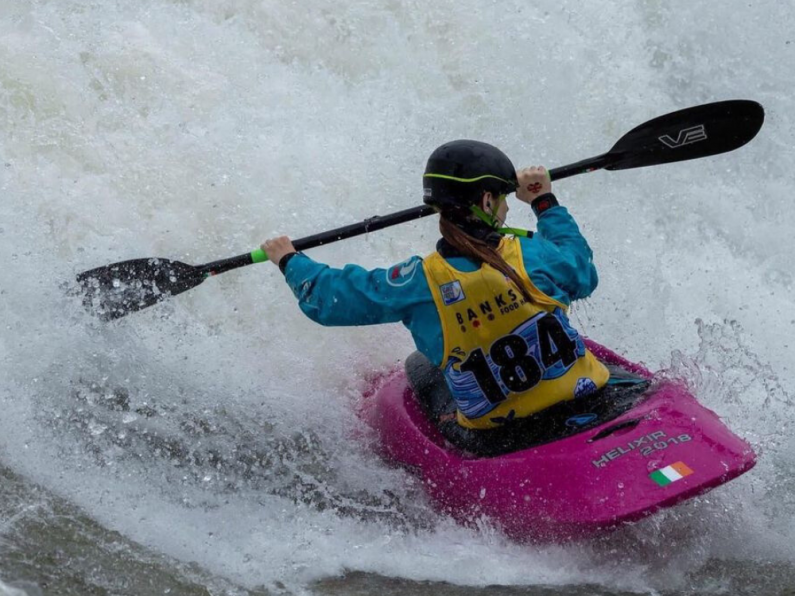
pixel 504 357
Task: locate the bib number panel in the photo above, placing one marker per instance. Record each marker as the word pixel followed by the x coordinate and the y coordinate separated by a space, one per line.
pixel 542 348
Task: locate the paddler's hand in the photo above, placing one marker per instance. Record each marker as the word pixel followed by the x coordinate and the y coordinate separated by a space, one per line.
pixel 277 248
pixel 533 182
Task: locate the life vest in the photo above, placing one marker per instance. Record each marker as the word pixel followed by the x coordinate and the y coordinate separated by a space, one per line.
pixel 505 357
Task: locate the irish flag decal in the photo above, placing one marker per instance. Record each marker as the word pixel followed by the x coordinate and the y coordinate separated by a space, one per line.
pixel 667 475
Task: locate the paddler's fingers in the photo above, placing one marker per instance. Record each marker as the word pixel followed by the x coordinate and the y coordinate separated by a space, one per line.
pixel 533 182
pixel 277 248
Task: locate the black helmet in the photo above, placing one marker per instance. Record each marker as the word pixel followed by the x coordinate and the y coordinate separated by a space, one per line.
pixel 459 172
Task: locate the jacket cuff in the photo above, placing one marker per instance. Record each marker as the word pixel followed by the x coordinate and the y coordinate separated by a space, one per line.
pixel 544 202
pixel 284 260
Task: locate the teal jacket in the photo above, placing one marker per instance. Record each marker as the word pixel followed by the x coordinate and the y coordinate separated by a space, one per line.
pixel 557 258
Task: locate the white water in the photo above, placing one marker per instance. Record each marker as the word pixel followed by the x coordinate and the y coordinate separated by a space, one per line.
pixel 195 129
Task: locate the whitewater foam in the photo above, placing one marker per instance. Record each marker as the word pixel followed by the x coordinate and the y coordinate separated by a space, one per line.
pixel 220 427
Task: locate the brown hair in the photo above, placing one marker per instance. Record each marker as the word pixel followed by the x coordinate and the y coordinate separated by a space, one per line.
pixel 482 252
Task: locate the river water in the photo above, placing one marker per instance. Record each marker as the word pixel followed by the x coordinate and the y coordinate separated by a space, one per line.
pixel 210 445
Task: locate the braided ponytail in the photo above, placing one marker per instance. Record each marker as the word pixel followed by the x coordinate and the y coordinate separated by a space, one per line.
pixel 482 252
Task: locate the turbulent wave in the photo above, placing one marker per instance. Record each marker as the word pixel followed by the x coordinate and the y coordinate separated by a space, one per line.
pixel 215 436
pixel 217 452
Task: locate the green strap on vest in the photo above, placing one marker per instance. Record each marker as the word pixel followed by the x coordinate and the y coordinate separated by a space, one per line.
pixel 492 222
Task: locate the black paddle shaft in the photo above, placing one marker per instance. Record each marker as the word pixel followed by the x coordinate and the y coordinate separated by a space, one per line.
pixel 371 224
pixel 380 222
pixel 115 290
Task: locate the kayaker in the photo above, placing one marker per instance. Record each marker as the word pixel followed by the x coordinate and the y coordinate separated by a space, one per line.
pixel 489 307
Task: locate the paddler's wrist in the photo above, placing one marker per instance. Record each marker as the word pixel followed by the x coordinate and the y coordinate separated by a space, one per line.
pixel 543 203
pixel 285 260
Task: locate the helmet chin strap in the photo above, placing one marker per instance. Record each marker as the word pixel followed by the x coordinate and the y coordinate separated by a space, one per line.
pixel 496 225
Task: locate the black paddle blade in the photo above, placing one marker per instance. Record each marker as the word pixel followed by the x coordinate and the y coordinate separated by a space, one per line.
pixel 115 290
pixel 695 132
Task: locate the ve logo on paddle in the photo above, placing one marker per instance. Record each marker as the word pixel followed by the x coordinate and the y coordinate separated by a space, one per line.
pixel 686 136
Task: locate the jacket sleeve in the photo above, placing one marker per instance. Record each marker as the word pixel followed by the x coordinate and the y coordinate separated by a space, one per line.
pixel 354 295
pixel 565 255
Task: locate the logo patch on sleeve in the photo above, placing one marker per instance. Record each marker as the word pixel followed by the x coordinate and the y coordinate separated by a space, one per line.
pixel 452 293
pixel 402 273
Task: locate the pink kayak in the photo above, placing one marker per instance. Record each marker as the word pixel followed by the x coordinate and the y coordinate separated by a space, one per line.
pixel 663 449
